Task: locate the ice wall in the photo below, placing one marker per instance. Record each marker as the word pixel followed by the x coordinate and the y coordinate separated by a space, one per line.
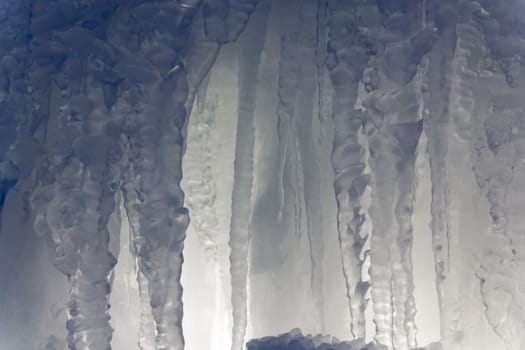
pixel 317 139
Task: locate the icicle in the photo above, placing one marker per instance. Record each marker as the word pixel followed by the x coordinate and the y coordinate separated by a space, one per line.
pixel 346 63
pixel 320 51
pixel 436 128
pixel 199 58
pixel 393 156
pixel 501 258
pixel 83 158
pixel 309 152
pixel 393 125
pixel 146 331
pixel 151 97
pixel 287 92
pixel 498 165
pixel 251 48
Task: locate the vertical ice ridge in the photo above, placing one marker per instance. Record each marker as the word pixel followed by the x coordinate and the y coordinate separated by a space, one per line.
pixel 393 127
pixel 501 256
pixel 320 51
pixel 201 186
pixel 392 162
pixel 287 92
pixel 383 199
pixel 437 128
pixel 392 206
pixel 83 255
pixel 404 207
pixel 147 326
pixel 83 167
pixel 151 97
pixel 199 58
pixel 498 159
pixel 309 152
pixel 146 331
pixel 251 49
pixel 348 55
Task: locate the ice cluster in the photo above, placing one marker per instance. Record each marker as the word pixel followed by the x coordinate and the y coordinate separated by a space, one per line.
pixel 295 340
pixel 350 167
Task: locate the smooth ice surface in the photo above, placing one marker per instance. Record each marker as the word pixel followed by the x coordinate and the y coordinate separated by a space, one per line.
pixel 193 174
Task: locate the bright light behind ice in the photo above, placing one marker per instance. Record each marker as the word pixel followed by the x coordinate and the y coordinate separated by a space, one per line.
pixel 216 174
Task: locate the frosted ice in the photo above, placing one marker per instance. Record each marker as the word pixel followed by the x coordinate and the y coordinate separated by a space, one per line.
pixel 199 173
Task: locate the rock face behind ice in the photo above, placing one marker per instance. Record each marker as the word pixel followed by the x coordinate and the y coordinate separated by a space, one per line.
pixel 295 340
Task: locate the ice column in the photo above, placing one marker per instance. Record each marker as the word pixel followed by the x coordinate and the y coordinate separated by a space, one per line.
pixel 298 154
pixel 498 125
pixel 394 124
pixel 252 45
pixel 436 128
pixel 150 95
pixel 348 54
pixel 83 153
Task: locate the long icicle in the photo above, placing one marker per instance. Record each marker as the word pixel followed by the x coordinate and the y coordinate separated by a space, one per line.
pixel 251 48
pixel 151 97
pixel 84 163
pixel 348 57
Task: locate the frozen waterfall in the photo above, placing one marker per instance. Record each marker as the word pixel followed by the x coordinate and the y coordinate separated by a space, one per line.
pixel 262 174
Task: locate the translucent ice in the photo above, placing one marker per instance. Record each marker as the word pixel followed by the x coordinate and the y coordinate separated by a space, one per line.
pixel 340 159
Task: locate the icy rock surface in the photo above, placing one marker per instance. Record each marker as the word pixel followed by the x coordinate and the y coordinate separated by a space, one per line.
pixel 340 158
pixel 295 340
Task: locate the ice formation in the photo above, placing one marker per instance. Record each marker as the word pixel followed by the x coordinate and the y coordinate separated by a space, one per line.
pixel 306 140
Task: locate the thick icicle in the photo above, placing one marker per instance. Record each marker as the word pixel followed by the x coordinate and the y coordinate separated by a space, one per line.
pixel 456 65
pixel 83 164
pixel 146 331
pixel 502 258
pixel 498 161
pixel 251 48
pixel 393 108
pixel 309 153
pixel 204 44
pixel 436 128
pixel 393 156
pixel 348 55
pixel 151 95
pixel 298 166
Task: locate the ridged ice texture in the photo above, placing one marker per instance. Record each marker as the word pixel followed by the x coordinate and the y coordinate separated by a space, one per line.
pixel 298 153
pixel 151 94
pixel 87 80
pixel 252 45
pixel 436 128
pixel 348 54
pixel 498 162
pixel 393 109
pixel 77 192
